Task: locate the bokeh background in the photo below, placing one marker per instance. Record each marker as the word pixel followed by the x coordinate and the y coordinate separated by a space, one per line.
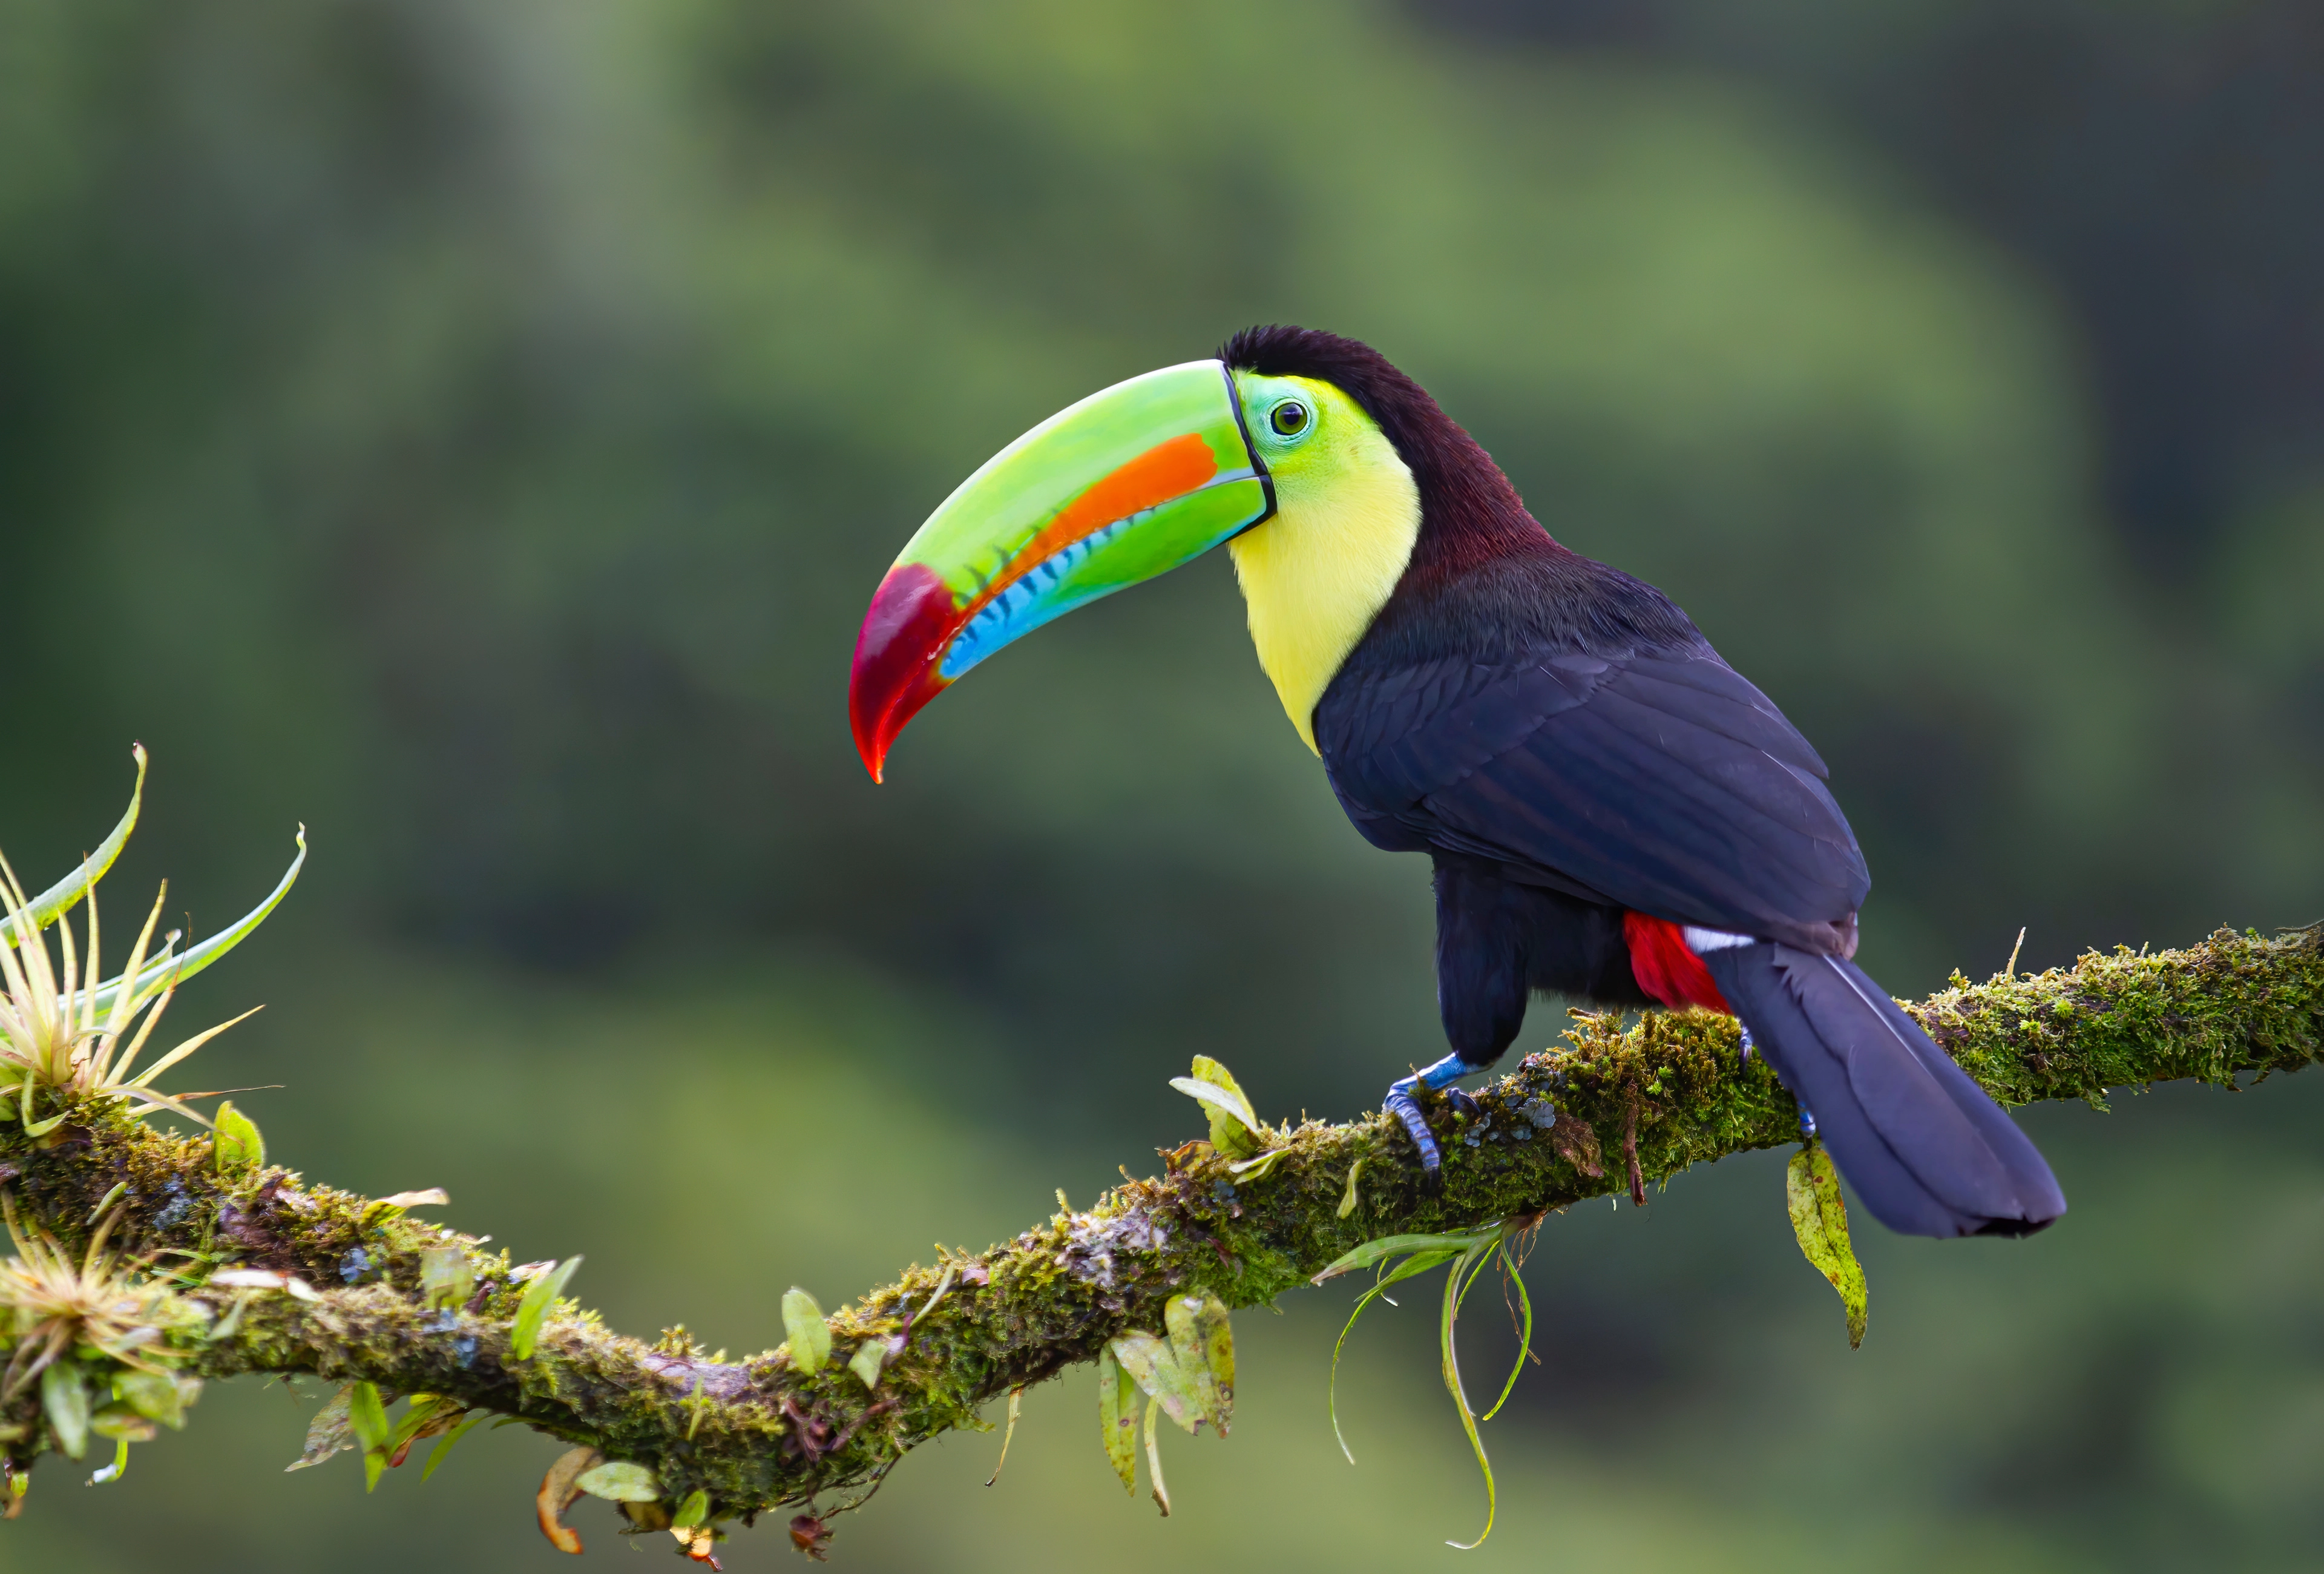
pixel 475 430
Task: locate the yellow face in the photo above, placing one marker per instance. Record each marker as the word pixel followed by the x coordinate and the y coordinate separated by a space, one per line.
pixel 1347 514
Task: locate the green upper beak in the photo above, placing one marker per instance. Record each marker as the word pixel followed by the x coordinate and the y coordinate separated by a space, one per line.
pixel 1128 484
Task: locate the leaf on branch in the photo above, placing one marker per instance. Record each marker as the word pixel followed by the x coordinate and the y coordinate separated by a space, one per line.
pixel 532 1311
pixel 1348 1202
pixel 1154 1367
pixel 868 1357
pixel 367 1419
pixel 64 1396
pixel 692 1512
pixel 329 1433
pixel 1236 1129
pixel 558 1492
pixel 1202 1340
pixel 1117 1419
pixel 237 1147
pixel 808 1335
pixel 1154 1461
pixel 159 1396
pixel 620 1482
pixel 1820 1219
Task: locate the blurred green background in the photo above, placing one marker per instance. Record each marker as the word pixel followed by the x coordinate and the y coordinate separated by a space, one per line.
pixel 476 429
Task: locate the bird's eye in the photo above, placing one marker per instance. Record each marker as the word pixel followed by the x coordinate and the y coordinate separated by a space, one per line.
pixel 1289 417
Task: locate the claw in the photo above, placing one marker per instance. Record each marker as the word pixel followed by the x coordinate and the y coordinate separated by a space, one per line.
pixel 1401 1104
pixel 1404 1103
pixel 1462 1100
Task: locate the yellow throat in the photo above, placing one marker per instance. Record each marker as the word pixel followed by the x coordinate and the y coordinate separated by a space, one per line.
pixel 1316 574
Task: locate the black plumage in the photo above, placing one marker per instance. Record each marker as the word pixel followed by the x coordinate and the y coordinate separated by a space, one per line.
pixel 1569 750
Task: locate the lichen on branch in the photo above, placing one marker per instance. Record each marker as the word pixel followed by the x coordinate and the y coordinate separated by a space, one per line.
pixel 247 1268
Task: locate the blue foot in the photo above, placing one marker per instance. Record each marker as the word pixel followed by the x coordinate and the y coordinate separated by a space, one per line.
pixel 1749 1047
pixel 1807 1122
pixel 1403 1101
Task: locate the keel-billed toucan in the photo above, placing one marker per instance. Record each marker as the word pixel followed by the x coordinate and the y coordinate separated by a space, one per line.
pixel 1613 812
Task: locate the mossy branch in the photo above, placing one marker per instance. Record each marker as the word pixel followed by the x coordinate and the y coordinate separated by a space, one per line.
pixel 1633 1104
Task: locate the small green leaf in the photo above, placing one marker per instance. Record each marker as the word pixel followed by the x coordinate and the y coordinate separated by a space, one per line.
pixel 532 1311
pixel 445 1277
pixel 1820 1219
pixel 621 1483
pixel 1117 1418
pixel 868 1357
pixel 158 1395
pixel 367 1419
pixel 1236 1130
pixel 692 1512
pixel 1202 1340
pixel 65 1397
pixel 809 1335
pixel 1348 1203
pixel 122 1424
pixel 443 1449
pixel 1154 1367
pixel 237 1145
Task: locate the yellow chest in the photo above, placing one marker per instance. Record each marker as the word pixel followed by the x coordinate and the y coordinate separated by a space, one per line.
pixel 1315 575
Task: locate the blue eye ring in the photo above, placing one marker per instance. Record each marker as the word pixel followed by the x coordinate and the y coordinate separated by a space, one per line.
pixel 1291 419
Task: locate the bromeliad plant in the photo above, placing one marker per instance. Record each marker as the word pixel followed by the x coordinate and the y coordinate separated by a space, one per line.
pixel 66 1037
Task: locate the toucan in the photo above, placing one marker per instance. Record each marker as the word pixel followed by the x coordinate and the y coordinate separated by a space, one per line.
pixel 1614 814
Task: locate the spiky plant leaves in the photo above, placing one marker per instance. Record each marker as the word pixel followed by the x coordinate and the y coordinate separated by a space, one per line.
pixel 808 1336
pixel 1469 1253
pixel 58 899
pixel 196 958
pixel 1117 1418
pixel 1819 1220
pixel 620 1482
pixel 236 1147
pixel 532 1311
pixel 1202 1340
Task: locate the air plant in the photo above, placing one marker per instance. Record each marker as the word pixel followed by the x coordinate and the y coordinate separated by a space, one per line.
pixel 66 1034
pixel 99 1323
pixel 58 1305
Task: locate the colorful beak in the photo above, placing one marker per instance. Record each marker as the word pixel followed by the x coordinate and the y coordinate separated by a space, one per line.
pixel 1126 485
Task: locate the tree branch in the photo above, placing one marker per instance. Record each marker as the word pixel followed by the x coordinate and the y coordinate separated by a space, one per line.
pixel 1630 1105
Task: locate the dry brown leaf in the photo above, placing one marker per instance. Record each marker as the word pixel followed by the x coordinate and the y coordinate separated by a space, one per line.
pixel 557 1494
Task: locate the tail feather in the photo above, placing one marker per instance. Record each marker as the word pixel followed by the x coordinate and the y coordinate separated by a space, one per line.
pixel 1922 1145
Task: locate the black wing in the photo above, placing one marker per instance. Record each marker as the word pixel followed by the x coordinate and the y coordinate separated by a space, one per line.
pixel 1662 782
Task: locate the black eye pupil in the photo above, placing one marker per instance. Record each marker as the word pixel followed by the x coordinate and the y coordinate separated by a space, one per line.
pixel 1290 419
